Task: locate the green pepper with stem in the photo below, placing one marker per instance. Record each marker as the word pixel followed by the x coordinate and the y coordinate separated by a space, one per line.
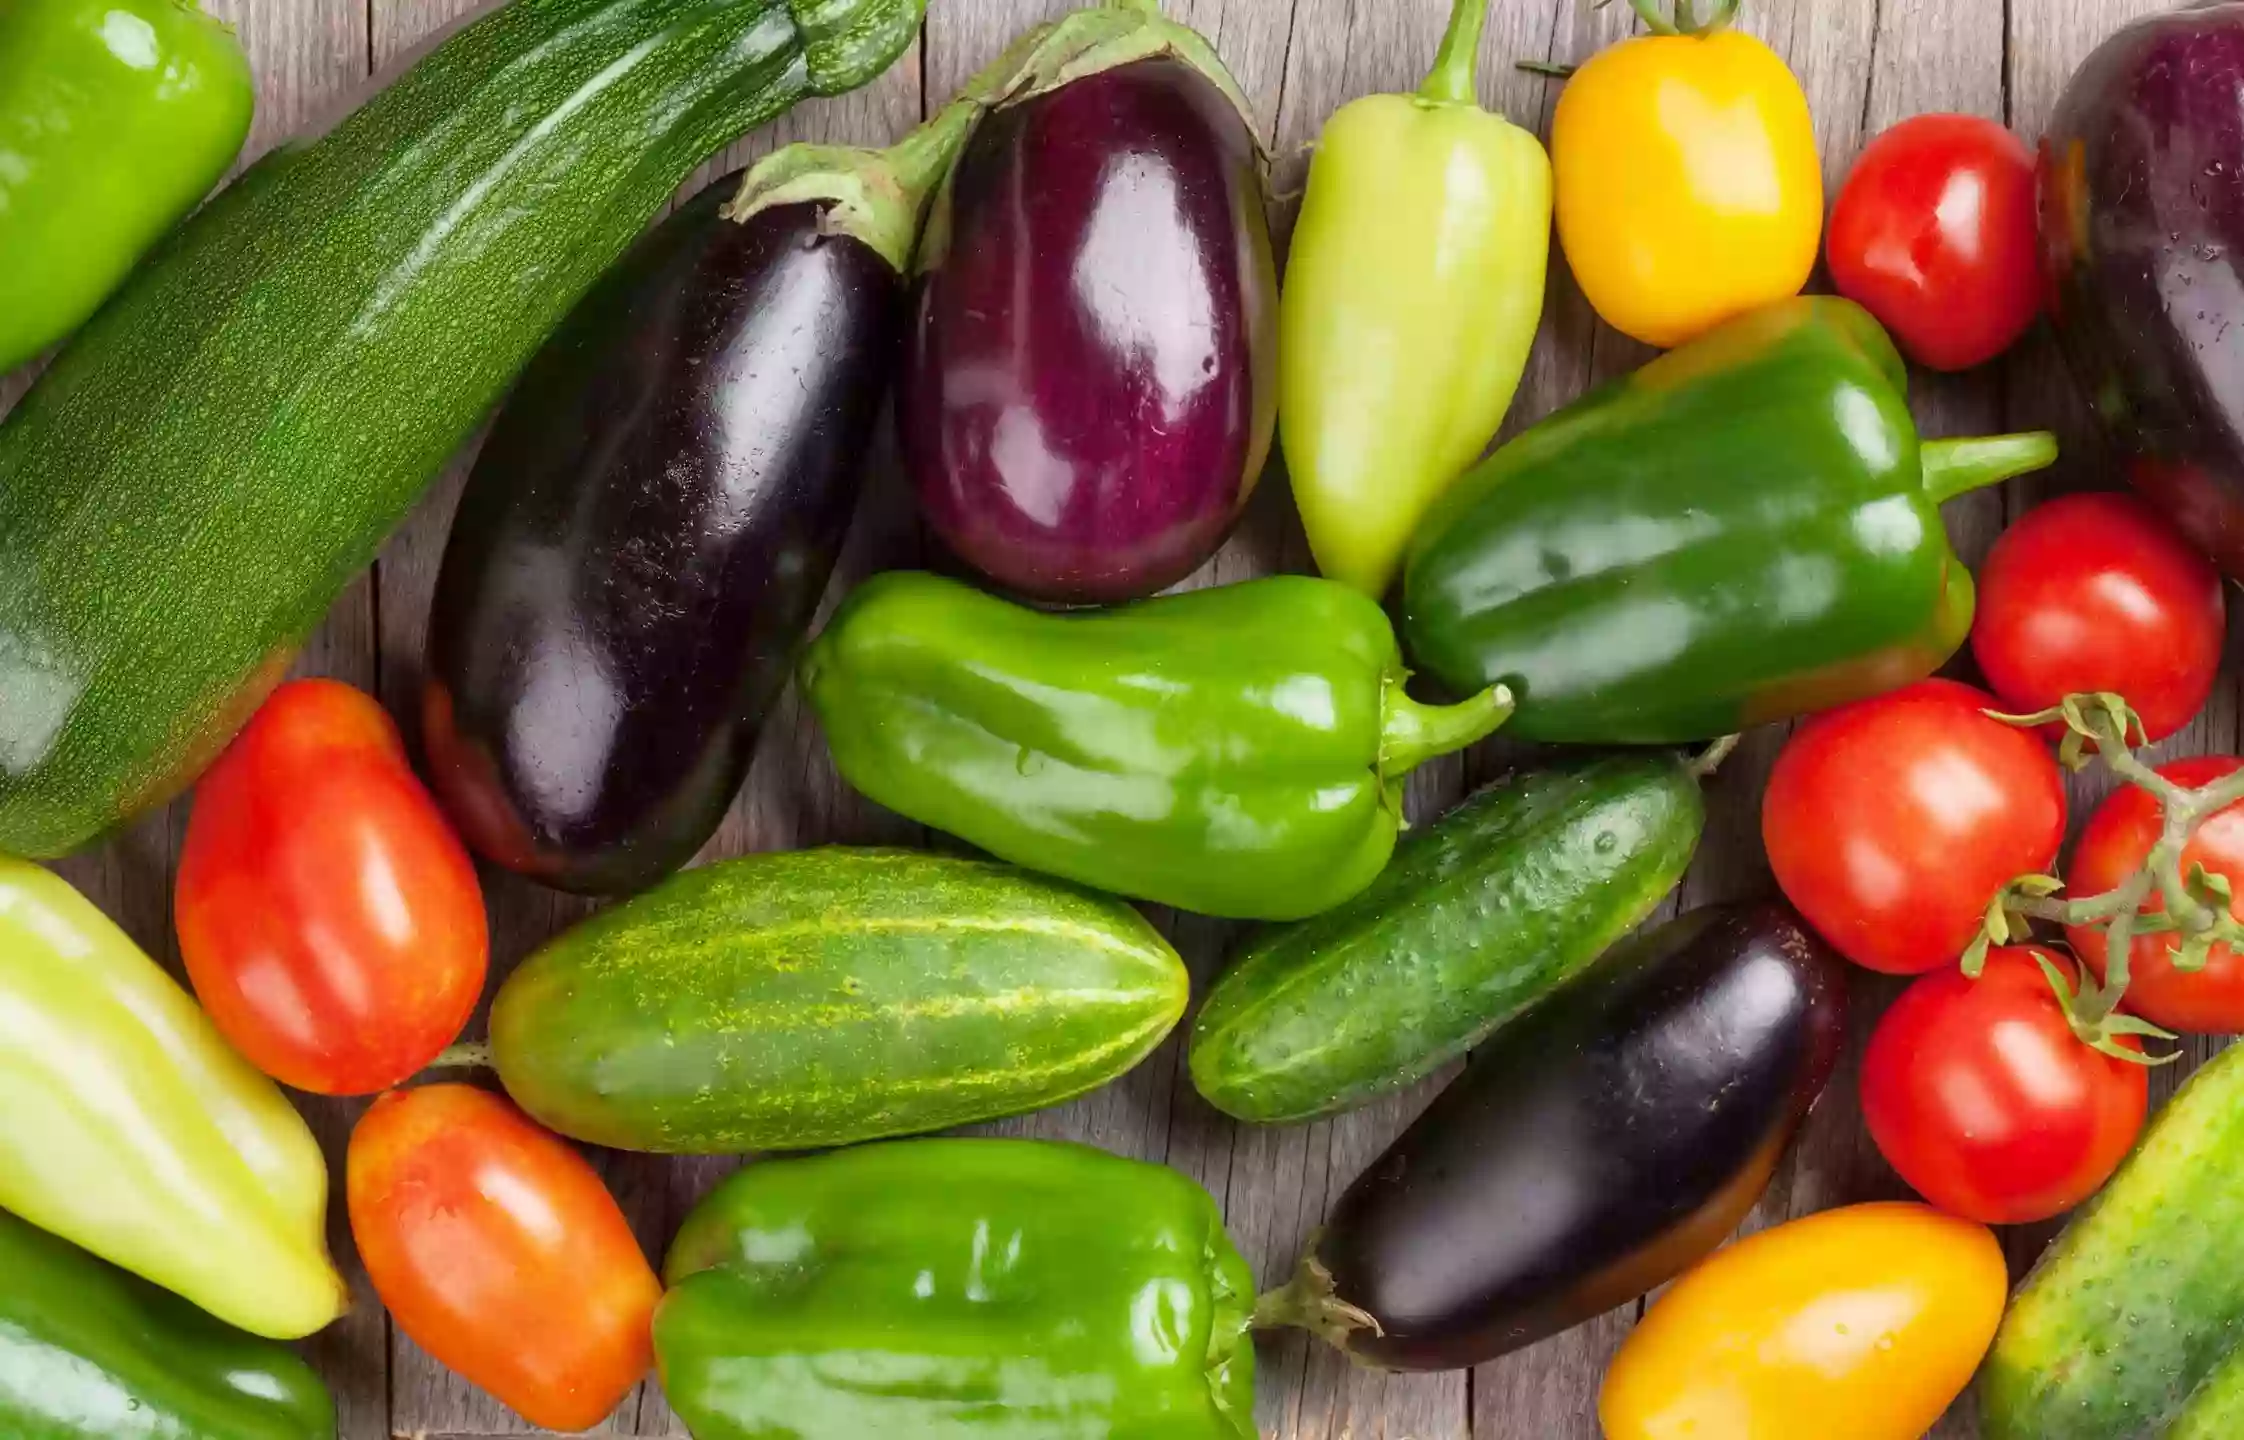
pixel 116 116
pixel 1238 752
pixel 1745 530
pixel 1413 291
pixel 88 1352
pixel 945 1289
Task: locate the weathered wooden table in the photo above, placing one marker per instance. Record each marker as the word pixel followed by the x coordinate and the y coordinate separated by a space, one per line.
pixel 1866 63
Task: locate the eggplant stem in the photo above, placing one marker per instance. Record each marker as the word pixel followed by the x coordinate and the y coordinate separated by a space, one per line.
pixel 1454 80
pixel 1411 733
pixel 467 1055
pixel 1957 467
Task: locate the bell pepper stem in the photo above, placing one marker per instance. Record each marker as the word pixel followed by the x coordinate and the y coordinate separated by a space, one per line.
pixel 1411 733
pixel 1957 467
pixel 1454 80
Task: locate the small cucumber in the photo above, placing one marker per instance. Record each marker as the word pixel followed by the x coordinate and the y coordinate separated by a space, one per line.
pixel 2132 1325
pixel 1475 920
pixel 781 1002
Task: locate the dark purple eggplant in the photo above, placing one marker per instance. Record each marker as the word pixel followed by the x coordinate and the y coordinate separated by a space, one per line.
pixel 1596 1149
pixel 642 546
pixel 2143 242
pixel 1091 385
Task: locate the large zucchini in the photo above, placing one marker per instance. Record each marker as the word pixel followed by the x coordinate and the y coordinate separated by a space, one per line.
pixel 1475 919
pixel 828 996
pixel 2132 1325
pixel 226 444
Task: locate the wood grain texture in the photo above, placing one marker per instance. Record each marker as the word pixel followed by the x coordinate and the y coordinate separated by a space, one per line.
pixel 1864 63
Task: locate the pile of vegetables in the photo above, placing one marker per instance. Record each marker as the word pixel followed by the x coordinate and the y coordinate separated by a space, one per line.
pixel 1087 390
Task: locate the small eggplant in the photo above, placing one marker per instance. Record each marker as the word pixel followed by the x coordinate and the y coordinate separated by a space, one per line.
pixel 2142 233
pixel 1090 389
pixel 1597 1149
pixel 642 546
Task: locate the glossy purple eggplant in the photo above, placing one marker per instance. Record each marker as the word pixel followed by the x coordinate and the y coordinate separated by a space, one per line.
pixel 1090 388
pixel 642 546
pixel 1604 1143
pixel 2143 244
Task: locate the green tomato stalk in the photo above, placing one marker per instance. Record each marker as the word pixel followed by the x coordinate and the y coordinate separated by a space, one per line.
pixel 2195 905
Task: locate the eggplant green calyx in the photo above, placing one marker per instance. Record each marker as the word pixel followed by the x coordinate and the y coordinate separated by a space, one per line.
pixel 1687 19
pixel 1454 80
pixel 1310 1301
pixel 1102 38
pixel 2197 904
pixel 880 197
pixel 1957 467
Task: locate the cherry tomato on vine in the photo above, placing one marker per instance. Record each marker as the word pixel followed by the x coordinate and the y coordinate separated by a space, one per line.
pixel 2112 847
pixel 2094 593
pixel 497 1248
pixel 1980 1095
pixel 1891 823
pixel 1935 234
pixel 330 920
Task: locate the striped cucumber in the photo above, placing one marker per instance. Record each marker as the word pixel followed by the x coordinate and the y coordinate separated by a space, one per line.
pixel 2132 1325
pixel 226 444
pixel 1476 919
pixel 780 1002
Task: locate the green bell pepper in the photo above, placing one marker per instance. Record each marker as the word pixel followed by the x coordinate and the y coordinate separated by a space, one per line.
pixel 1413 290
pixel 88 1352
pixel 1238 751
pixel 946 1289
pixel 129 1127
pixel 116 116
pixel 1745 530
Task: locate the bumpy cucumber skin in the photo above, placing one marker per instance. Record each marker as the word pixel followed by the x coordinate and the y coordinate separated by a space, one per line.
pixel 2131 1325
pixel 1476 919
pixel 829 996
pixel 227 443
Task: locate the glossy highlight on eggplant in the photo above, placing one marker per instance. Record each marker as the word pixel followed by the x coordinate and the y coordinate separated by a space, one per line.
pixel 2142 196
pixel 1596 1149
pixel 644 542
pixel 1091 390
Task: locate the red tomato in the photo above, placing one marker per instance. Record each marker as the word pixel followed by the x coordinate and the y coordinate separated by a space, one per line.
pixel 1935 233
pixel 2112 847
pixel 1979 1094
pixel 499 1251
pixel 329 918
pixel 2096 592
pixel 1892 822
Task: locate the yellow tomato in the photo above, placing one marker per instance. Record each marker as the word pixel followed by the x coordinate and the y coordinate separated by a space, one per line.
pixel 1857 1324
pixel 1689 188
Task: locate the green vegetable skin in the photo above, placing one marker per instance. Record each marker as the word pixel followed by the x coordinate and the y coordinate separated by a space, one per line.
pixel 949 1289
pixel 88 1352
pixel 1478 918
pixel 226 444
pixel 116 117
pixel 828 996
pixel 128 1126
pixel 1237 751
pixel 1745 530
pixel 1413 290
pixel 2132 1325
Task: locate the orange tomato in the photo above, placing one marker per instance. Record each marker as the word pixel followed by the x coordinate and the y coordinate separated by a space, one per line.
pixel 329 918
pixel 1857 1324
pixel 496 1247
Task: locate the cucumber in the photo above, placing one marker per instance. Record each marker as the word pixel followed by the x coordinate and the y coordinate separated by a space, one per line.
pixel 781 1002
pixel 2132 1325
pixel 1474 921
pixel 226 444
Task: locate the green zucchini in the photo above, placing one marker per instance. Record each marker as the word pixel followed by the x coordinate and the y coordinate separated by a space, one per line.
pixel 2132 1325
pixel 1474 921
pixel 226 444
pixel 782 1002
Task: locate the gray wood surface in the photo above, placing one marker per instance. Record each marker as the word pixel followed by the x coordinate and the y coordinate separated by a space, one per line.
pixel 1866 63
